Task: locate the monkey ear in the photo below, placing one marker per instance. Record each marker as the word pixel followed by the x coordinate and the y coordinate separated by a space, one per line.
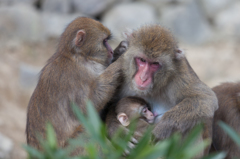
pixel 128 33
pixel 80 37
pixel 123 119
pixel 179 54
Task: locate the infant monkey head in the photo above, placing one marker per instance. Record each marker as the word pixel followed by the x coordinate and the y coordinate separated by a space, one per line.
pixel 129 108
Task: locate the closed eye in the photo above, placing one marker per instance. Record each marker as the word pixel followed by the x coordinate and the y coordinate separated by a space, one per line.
pixel 155 65
pixel 142 60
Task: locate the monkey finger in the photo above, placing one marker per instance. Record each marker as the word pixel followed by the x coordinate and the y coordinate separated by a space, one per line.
pixel 133 140
pixel 131 145
pixel 126 151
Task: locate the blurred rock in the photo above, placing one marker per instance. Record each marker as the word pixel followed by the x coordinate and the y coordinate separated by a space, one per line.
pixel 21 22
pixel 92 7
pixel 228 22
pixel 212 7
pixel 54 24
pixel 130 15
pixel 57 6
pixel 161 3
pixel 187 22
pixel 5 2
pixel 28 75
pixel 12 2
pixel 6 146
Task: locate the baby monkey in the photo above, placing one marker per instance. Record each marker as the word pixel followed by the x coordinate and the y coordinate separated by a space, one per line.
pixel 126 110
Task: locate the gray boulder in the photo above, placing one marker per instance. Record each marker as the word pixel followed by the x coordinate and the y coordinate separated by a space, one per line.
pixel 91 7
pixel 227 22
pixel 187 22
pixel 161 3
pixel 130 15
pixel 57 6
pixel 6 146
pixel 54 24
pixel 28 76
pixel 213 7
pixel 13 2
pixel 20 22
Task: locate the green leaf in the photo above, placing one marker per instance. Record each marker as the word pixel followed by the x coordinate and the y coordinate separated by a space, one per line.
pixel 232 133
pixel 93 117
pixel 196 149
pixel 220 155
pixel 33 153
pixel 51 136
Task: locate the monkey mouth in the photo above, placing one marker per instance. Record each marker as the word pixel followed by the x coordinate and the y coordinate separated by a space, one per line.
pixel 151 121
pixel 143 85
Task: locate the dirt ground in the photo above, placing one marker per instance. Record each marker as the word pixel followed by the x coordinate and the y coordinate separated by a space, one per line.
pixel 214 63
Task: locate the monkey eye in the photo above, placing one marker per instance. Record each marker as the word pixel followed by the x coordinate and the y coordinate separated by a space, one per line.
pixel 143 60
pixel 155 65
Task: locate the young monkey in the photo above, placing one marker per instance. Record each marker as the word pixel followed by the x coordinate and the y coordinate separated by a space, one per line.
pixel 127 109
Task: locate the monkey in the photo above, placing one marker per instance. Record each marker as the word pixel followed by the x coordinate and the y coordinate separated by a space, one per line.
pixel 228 95
pixel 128 109
pixel 155 69
pixel 80 70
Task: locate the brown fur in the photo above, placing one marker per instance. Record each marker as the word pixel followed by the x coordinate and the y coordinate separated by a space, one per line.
pixel 128 105
pixel 72 74
pixel 175 86
pixel 228 112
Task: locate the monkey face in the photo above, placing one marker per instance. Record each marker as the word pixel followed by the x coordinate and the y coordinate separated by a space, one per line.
pixel 147 115
pixel 146 69
pixel 151 59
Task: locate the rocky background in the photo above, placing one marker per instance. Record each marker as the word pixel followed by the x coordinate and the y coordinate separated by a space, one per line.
pixel 208 31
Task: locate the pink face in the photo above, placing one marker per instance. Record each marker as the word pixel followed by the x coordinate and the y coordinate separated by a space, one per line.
pixel 145 72
pixel 148 115
pixel 110 51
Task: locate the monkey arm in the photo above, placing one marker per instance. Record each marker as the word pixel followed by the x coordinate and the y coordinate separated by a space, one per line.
pixel 185 115
pixel 105 85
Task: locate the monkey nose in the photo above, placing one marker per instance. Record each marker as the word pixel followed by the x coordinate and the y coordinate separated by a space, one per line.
pixel 144 77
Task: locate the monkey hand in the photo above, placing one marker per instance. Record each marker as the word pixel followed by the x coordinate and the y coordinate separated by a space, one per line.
pixel 169 125
pixel 120 49
pixel 131 144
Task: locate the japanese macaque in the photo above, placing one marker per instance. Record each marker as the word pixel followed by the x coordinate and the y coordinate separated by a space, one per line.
pixel 155 69
pixel 128 109
pixel 77 72
pixel 228 95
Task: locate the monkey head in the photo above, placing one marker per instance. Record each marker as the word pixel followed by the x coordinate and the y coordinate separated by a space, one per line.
pixel 80 38
pixel 152 56
pixel 130 108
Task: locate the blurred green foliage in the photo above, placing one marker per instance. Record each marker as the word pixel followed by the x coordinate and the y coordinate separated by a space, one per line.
pixel 98 146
